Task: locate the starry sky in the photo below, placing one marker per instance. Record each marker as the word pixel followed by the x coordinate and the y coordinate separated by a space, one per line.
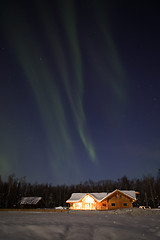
pixel 79 90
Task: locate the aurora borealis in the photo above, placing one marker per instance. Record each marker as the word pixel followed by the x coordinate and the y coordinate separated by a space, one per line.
pixel 79 90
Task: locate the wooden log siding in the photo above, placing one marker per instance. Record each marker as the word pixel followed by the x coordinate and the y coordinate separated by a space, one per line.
pixel 116 199
pixel 119 200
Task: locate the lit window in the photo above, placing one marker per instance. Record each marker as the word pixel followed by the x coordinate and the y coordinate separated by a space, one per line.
pixel 79 205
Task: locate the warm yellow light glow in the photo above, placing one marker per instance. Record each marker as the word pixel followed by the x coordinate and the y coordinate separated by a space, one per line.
pixel 87 203
pixel 113 201
pixel 88 199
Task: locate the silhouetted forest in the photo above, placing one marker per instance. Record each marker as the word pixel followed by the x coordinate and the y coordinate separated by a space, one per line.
pixel 12 190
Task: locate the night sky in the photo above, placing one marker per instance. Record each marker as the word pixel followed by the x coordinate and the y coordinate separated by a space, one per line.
pixel 79 90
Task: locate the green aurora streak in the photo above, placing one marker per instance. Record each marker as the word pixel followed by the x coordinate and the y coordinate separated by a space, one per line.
pixel 76 99
pixel 46 92
pixel 28 52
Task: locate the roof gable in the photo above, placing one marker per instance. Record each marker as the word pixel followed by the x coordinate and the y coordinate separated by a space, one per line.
pixel 128 193
pixel 76 197
pixel 99 197
pixel 88 198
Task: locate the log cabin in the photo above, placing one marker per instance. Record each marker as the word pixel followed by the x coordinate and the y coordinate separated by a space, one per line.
pixel 102 201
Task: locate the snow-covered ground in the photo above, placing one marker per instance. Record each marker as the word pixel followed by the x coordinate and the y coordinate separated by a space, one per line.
pixel 76 225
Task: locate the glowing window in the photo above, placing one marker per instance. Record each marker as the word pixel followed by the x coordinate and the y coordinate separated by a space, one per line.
pixel 79 205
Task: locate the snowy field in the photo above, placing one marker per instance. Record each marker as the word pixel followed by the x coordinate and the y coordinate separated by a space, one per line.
pixel 76 225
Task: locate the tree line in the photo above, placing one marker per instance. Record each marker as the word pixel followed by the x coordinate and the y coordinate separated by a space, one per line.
pixel 12 190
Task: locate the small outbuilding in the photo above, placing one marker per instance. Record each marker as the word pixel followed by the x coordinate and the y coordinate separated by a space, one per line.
pixel 32 202
pixel 102 201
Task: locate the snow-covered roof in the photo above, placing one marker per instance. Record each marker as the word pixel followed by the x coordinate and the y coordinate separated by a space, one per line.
pixel 30 200
pixel 99 196
pixel 76 197
pixel 130 193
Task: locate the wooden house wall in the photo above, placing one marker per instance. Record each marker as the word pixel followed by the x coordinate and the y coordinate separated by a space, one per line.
pixel 115 201
pixel 119 200
pixel 104 205
pixel 85 204
pixel 89 206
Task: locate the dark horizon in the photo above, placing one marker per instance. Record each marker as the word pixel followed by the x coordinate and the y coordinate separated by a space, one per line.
pixel 147 191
